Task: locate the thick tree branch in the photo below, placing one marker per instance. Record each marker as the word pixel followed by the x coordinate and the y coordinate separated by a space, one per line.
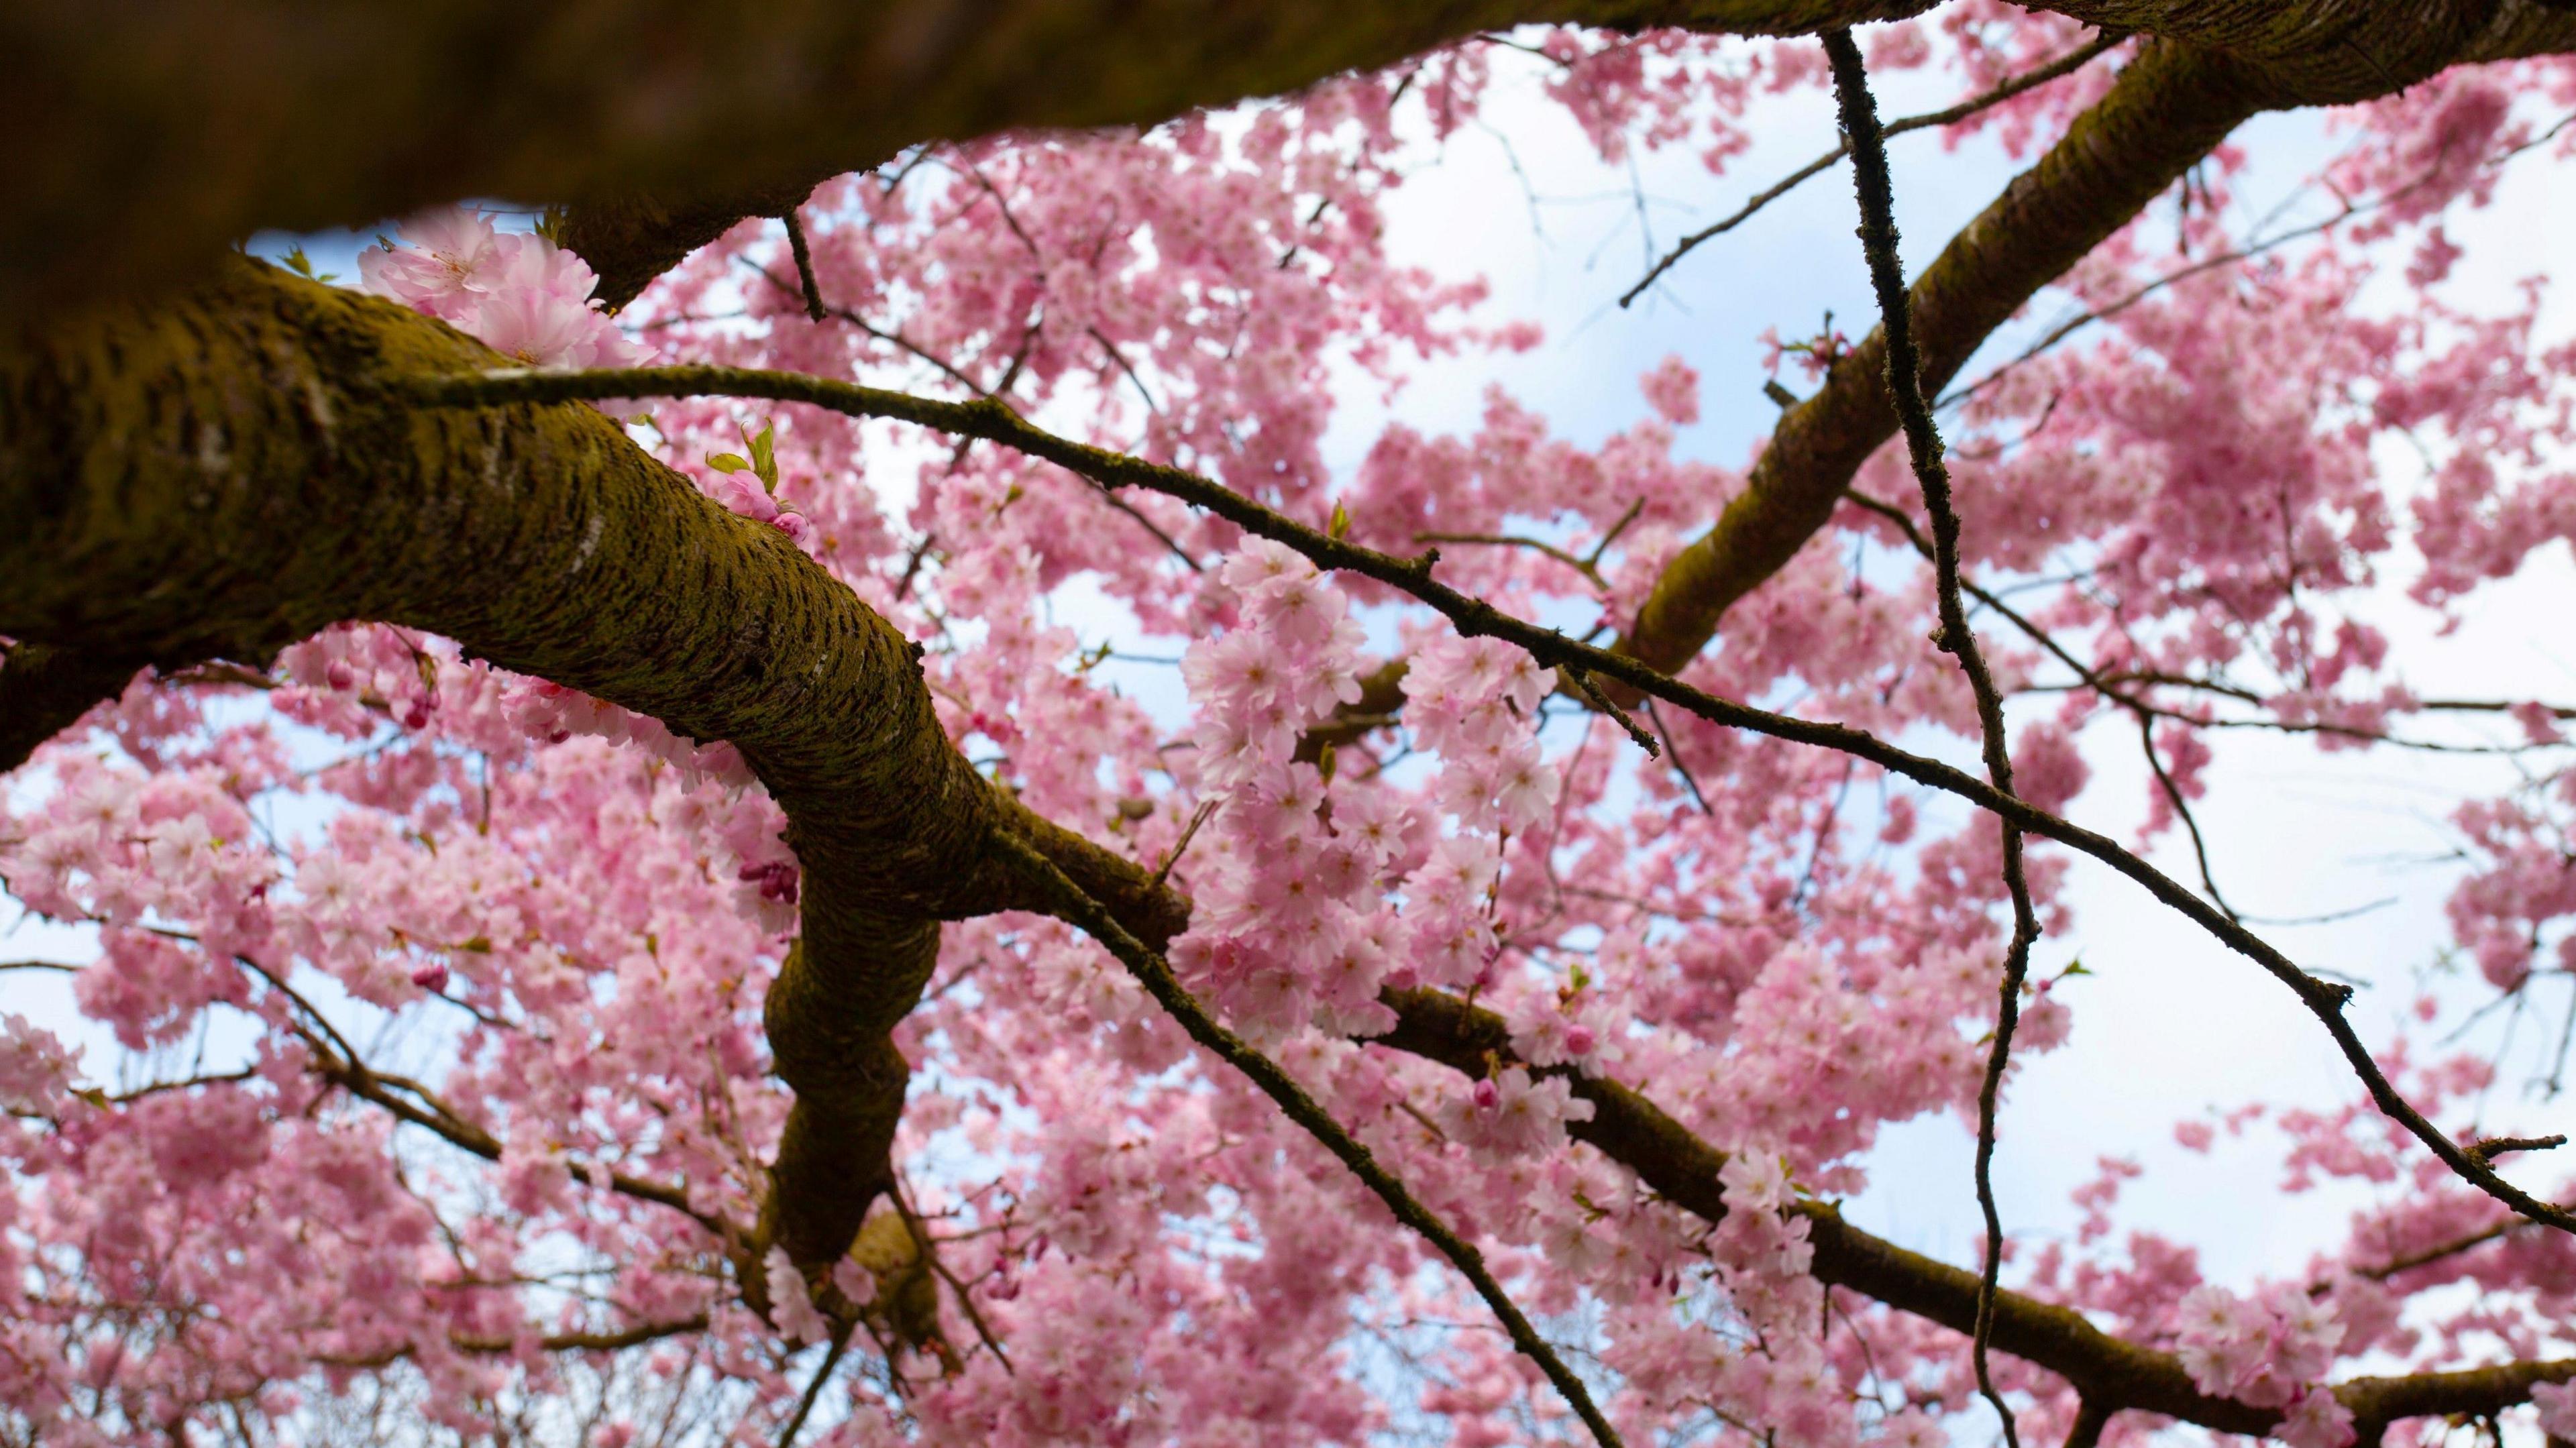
pixel 226 472
pixel 2334 52
pixel 43 690
pixel 667 121
pixel 148 145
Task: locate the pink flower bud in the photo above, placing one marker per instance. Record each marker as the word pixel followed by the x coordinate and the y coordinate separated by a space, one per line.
pixel 430 977
pixel 1486 1095
pixel 1578 1040
pixel 339 675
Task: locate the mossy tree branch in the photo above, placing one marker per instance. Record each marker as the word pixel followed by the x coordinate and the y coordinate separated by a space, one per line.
pixel 666 121
pixel 220 474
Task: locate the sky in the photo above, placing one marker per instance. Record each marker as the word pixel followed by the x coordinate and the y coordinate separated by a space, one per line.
pixel 2168 1024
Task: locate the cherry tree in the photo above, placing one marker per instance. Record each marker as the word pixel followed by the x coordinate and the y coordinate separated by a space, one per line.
pixel 626 914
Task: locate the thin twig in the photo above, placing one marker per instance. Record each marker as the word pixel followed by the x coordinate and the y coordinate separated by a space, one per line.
pixel 814 307
pixel 2074 60
pixel 1589 568
pixel 814 1388
pixel 1475 618
pixel 2108 686
pixel 965 1300
pixel 2349 211
pixel 2496 1146
pixel 228 1078
pixel 2182 811
pixel 1181 846
pixel 1923 446
pixel 1156 976
pixel 611 1341
pixel 1120 358
pixel 2430 1255
pixel 339 1062
pixel 1689 781
pixel 954 374
pixel 1601 701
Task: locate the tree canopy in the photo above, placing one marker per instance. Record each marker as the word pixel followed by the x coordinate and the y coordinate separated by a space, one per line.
pixel 626 914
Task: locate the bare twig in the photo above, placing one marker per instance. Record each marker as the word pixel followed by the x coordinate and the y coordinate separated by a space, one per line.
pixel 1181 846
pixel 2347 212
pixel 1601 701
pixel 338 1062
pixel 611 1341
pixel 1589 568
pixel 1689 780
pixel 2430 1255
pixel 2496 1146
pixel 813 289
pixel 1923 445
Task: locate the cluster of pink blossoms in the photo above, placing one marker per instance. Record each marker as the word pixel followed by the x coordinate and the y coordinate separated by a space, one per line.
pixel 1311 898
pixel 2271 1349
pixel 516 292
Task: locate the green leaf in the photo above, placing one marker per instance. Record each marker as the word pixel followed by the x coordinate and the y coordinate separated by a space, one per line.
pixel 297 262
pixel 727 462
pixel 764 456
pixel 1340 527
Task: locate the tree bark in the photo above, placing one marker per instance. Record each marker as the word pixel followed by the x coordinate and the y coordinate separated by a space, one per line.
pixel 146 143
